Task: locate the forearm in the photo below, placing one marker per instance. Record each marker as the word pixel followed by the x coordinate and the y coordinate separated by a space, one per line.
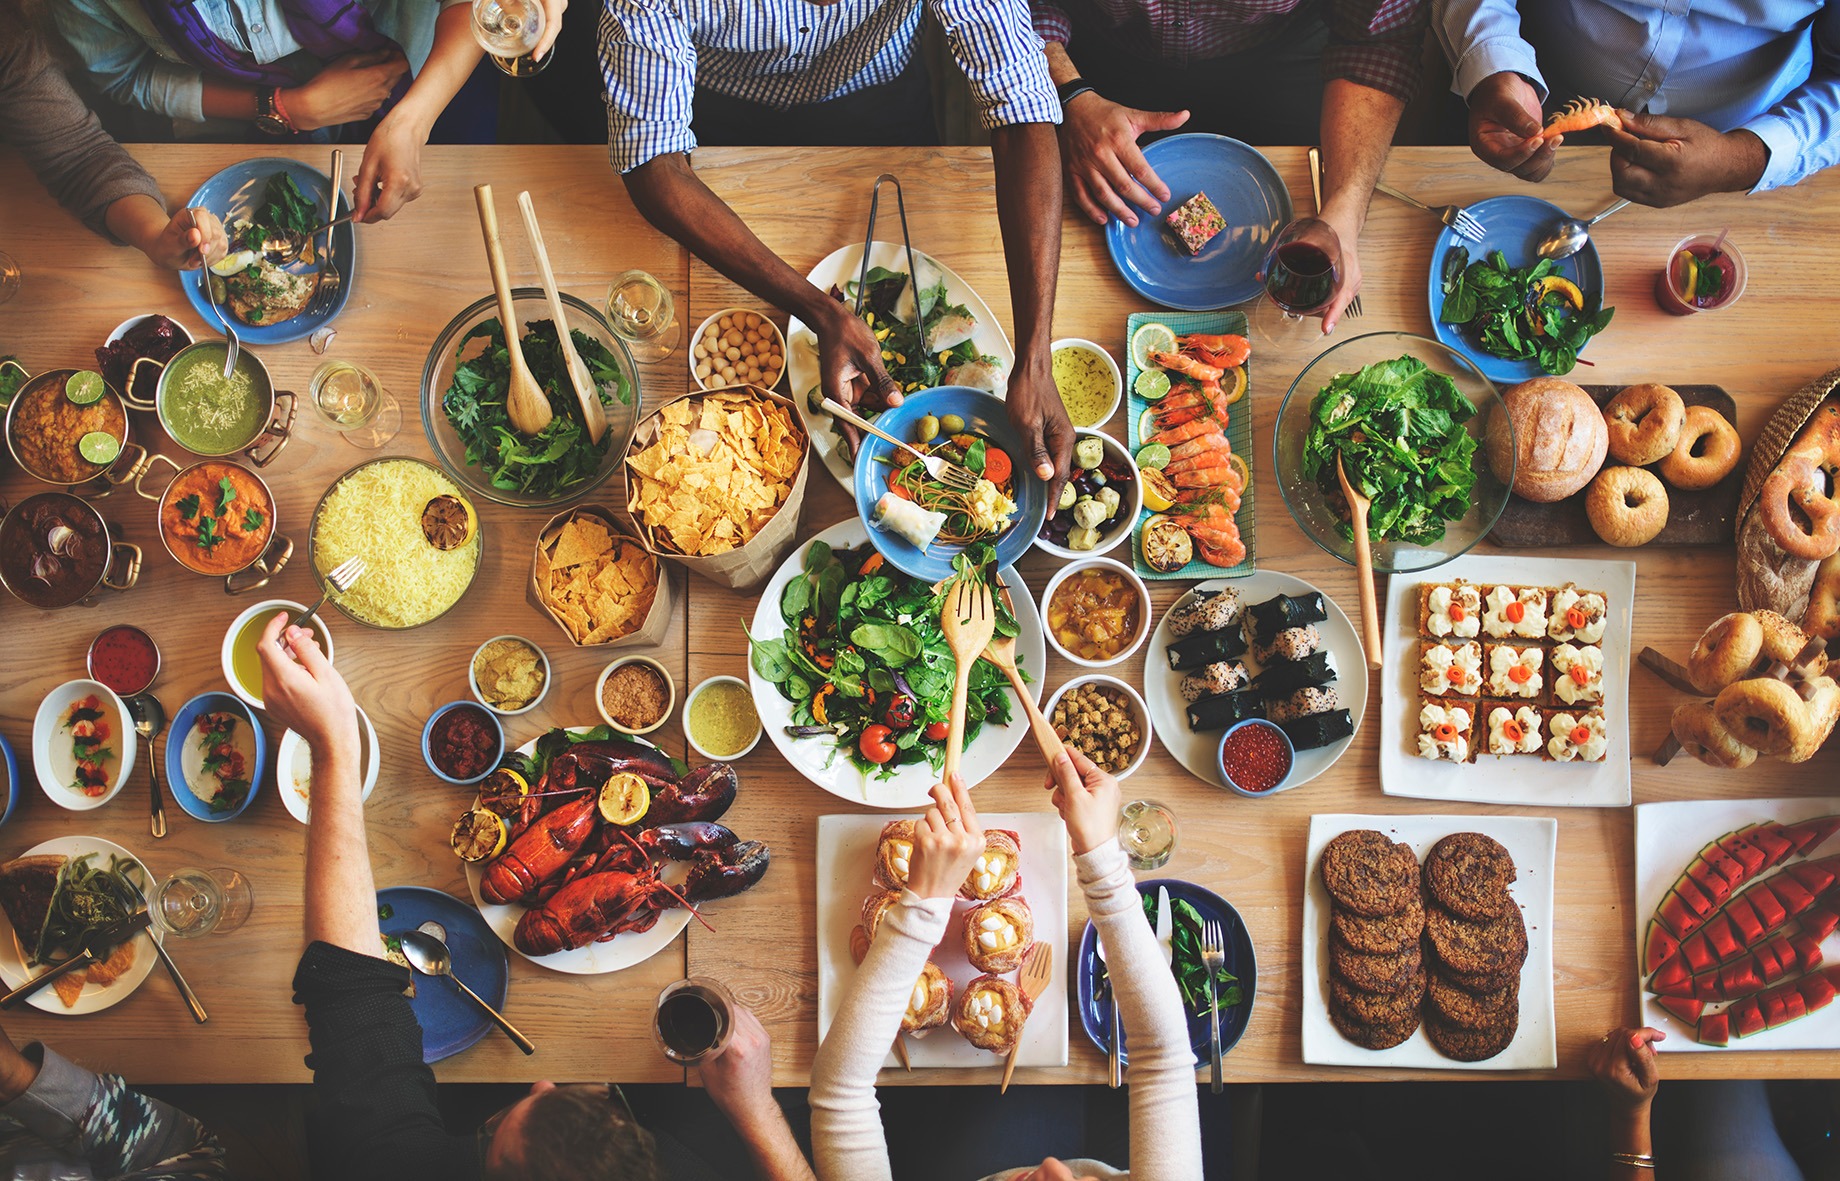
pixel 341 897
pixel 1357 131
pixel 1027 161
pixel 228 100
pixel 137 220
pixel 1629 1133
pixel 1060 66
pixel 772 1148
pixel 450 63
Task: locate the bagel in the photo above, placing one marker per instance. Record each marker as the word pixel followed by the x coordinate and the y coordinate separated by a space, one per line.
pixel 1767 715
pixel 1626 505
pixel 1644 422
pixel 1702 735
pixel 1704 454
pixel 1823 704
pixel 1725 651
pixel 1799 506
pixel 1783 641
pixel 1823 615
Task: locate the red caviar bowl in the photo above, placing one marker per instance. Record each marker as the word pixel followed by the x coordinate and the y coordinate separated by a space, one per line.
pixel 1257 758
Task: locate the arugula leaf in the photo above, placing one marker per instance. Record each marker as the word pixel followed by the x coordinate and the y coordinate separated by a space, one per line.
pixel 1508 315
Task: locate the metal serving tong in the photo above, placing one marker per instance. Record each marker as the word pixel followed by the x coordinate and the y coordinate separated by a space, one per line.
pixel 913 271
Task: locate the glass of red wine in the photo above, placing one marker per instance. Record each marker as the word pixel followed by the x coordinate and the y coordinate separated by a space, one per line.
pixel 1302 271
pixel 693 1019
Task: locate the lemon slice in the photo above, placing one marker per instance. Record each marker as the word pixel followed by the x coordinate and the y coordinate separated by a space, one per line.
pixel 503 791
pixel 479 835
pixel 84 387
pixel 1146 424
pixel 1151 338
pixel 1233 385
pixel 99 447
pixel 1151 384
pixel 448 522
pixel 1159 492
pixel 1239 465
pixel 1689 274
pixel 624 798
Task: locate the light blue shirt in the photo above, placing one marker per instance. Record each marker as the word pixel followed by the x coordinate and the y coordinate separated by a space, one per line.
pixel 1771 67
pixel 785 53
pixel 132 63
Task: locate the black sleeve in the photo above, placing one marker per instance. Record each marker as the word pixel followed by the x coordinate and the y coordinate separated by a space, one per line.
pixel 375 1114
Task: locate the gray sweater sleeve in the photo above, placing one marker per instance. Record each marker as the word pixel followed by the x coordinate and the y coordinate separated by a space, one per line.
pixel 63 141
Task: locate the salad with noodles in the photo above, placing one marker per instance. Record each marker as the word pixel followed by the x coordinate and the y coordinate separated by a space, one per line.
pixel 916 505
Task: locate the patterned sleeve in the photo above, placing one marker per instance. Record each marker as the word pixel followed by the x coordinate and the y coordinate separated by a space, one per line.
pixel 649 67
pixel 1051 21
pixel 1376 43
pixel 120 1132
pixel 996 46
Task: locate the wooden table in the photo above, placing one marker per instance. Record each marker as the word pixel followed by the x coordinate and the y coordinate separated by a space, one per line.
pixel 421 269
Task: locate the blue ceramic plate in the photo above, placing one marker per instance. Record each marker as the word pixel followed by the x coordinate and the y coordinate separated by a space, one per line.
pixel 1095 1004
pixel 1246 189
pixel 235 192
pixel 984 414
pixel 450 1023
pixel 9 766
pixel 185 754
pixel 1513 225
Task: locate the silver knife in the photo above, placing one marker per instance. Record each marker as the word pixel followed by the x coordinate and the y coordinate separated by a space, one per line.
pixel 96 947
pixel 185 990
pixel 1165 926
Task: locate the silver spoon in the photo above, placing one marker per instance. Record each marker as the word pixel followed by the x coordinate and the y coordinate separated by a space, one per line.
pixel 210 296
pixel 149 720
pixel 431 958
pixel 1569 235
pixel 285 246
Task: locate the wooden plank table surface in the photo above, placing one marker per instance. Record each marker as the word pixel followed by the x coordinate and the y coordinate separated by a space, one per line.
pixel 421 269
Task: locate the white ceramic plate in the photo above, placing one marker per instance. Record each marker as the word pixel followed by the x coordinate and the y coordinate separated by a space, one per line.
pixel 1531 841
pixel 1496 779
pixel 821 761
pixel 294 767
pixel 54 755
pixel 846 867
pixel 839 269
pixel 1200 753
pixel 94 997
pixel 622 951
pixel 1668 837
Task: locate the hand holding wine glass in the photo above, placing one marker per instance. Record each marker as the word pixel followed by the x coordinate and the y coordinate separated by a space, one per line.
pixel 1302 273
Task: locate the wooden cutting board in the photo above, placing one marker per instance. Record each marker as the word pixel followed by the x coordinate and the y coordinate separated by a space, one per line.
pixel 1694 518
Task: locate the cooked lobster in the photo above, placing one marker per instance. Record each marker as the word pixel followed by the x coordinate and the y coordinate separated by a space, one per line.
pixel 541 851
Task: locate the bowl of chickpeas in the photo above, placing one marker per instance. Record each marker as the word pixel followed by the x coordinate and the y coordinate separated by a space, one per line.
pixel 736 346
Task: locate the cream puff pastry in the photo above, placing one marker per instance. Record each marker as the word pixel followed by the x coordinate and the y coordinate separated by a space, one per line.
pixel 991 1013
pixel 931 1001
pixel 894 851
pixel 997 933
pixel 998 871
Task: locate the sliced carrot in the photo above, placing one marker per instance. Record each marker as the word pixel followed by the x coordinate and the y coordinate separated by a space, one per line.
pixel 996 465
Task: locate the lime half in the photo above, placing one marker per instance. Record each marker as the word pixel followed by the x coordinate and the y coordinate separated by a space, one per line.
pixel 99 447
pixel 1151 338
pixel 1151 384
pixel 1152 455
pixel 84 387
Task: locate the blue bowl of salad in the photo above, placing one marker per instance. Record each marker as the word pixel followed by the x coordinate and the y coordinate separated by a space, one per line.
pixel 921 525
pixel 215 755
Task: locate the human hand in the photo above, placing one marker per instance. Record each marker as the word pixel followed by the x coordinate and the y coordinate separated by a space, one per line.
pixel 850 359
pixel 190 238
pixel 1504 126
pixel 390 175
pixel 552 27
pixel 947 842
pixel 1040 417
pixel 348 90
pixel 302 691
pixel 1655 160
pixel 740 1079
pixel 1625 1066
pixel 1347 227
pixel 1086 797
pixel 1105 168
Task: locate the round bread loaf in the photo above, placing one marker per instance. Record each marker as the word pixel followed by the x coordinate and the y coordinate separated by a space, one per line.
pixel 1548 437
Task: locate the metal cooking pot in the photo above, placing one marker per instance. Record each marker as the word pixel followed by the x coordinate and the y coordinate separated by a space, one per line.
pixel 21 546
pixel 98 480
pixel 267 562
pixel 260 448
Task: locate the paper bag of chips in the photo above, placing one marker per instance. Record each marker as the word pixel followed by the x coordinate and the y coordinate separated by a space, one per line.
pixel 601 586
pixel 715 481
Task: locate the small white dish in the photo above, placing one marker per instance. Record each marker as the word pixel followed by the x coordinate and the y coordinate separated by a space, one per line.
pixel 1143 609
pixel 472 680
pixel 294 767
pixel 54 753
pixel 690 735
pixel 1111 366
pixel 1138 710
pixel 767 328
pixel 263 610
pixel 1128 512
pixel 670 684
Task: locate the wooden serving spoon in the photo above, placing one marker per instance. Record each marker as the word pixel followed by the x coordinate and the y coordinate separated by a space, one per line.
pixel 592 416
pixel 1002 653
pixel 968 622
pixel 525 402
pixel 1358 506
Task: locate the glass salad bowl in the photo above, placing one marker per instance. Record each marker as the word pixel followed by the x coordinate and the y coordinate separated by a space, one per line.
pixel 449 353
pixel 1322 515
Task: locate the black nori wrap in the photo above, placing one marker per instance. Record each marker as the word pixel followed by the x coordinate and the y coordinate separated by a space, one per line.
pixel 1272 616
pixel 1318 729
pixel 1291 675
pixel 1217 713
pixel 1199 648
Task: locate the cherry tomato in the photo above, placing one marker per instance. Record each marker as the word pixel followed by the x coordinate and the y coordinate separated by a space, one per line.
pixel 937 731
pixel 875 744
pixel 901 712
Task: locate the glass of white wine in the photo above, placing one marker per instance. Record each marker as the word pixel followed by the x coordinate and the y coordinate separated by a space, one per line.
pixel 1147 830
pixel 351 400
pixel 641 313
pixel 193 902
pixel 508 30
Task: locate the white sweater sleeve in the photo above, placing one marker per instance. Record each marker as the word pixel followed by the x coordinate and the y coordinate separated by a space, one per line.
pixel 1165 1115
pixel 847 1142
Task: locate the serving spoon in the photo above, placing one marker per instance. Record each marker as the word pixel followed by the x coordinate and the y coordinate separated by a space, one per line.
pixel 526 405
pixel 1358 507
pixel 430 957
pixel 149 720
pixel 1569 234
pixel 968 621
pixel 586 392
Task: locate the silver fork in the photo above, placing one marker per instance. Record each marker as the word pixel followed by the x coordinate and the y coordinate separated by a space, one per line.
pixel 341 579
pixel 235 346
pixel 952 475
pixel 1214 959
pixel 330 279
pixel 1455 216
pixel 1316 178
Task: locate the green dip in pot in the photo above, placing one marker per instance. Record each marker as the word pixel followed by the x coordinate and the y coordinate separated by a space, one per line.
pixel 206 413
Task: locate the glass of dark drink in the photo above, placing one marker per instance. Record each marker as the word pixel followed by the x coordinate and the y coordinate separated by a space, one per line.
pixel 693 1019
pixel 1703 273
pixel 1302 270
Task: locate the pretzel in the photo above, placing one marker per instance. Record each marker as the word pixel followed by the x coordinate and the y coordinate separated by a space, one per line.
pixel 1798 503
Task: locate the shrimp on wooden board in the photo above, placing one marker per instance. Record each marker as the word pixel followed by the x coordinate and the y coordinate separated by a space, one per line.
pixel 1581 114
pixel 1183 432
pixel 1196 401
pixel 1185 365
pixel 1211 442
pixel 1223 351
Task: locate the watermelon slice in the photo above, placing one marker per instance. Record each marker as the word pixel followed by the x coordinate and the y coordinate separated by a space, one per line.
pixel 1745 922
pixel 1745 852
pixel 1819 922
pixel 1807 949
pixel 1714 1030
pixel 1733 980
pixel 1791 893
pixel 1695 898
pixel 1746 1017
pixel 1724 864
pixel 1807 834
pixel 1676 917
pixel 1775 1009
pixel 1793 1004
pixel 1722 938
pixel 1710 882
pixel 1769 965
pixel 1815 876
pixel 1698 951
pixel 1771 913
pixel 1687 1011
pixel 1659 946
pixel 1817 990
pixel 1776 848
pixel 1672 979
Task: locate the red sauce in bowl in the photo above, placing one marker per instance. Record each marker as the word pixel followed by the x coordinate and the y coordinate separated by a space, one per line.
pixel 124 658
pixel 1255 757
pixel 463 742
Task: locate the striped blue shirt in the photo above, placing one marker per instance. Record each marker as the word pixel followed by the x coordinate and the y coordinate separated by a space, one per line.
pixel 785 53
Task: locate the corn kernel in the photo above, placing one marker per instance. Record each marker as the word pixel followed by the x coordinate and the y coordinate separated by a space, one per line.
pixel 887 356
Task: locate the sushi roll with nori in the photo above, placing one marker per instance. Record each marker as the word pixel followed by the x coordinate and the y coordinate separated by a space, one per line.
pixel 1308 733
pixel 1281 680
pixel 1205 613
pixel 1302 703
pixel 1265 620
pixel 1223 676
pixel 1217 713
pixel 1206 648
pixel 1293 643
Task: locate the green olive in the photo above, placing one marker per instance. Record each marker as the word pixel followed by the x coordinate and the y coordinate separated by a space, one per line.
pixel 926 430
pixel 952 424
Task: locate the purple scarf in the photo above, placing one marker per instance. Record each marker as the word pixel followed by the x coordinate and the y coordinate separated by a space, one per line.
pixel 327 29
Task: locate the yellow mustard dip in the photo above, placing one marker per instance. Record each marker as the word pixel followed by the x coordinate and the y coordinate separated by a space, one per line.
pixel 1085 383
pixel 722 719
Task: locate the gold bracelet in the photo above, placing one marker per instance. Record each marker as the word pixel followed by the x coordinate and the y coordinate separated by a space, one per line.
pixel 1635 1160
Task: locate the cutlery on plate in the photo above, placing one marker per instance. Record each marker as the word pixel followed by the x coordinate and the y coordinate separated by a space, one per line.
pixel 1115 1078
pixel 1455 216
pixel 205 275
pixel 430 957
pixel 1037 969
pixel 1316 179
pixel 586 392
pixel 525 402
pixel 330 277
pixel 968 621
pixel 149 719
pixel 1358 507
pixel 1214 959
pixel 1569 234
pixel 950 474
pixel 1165 926
pixel 342 578
pixel 96 947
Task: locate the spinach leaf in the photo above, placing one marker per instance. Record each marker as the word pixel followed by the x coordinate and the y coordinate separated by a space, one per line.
pixel 769 659
pixel 891 642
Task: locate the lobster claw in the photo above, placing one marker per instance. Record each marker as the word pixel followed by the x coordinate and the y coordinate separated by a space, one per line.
pixel 680 842
pixel 726 872
pixel 703 794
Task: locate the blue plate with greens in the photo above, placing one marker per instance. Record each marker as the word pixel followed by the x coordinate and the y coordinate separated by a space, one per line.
pixel 450 1022
pixel 1192 904
pixel 1482 300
